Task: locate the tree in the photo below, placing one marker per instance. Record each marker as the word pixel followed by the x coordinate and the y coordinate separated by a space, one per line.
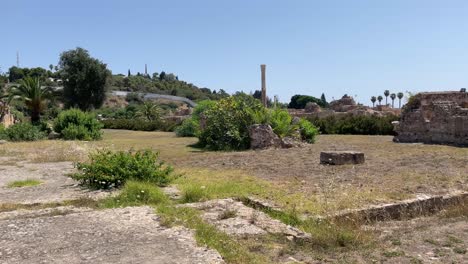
pixel 33 95
pixel 324 100
pixel 162 76
pixel 257 94
pixel 373 99
pixel 51 67
pixel 386 93
pixel 299 101
pixel 149 111
pixel 393 96
pixel 15 73
pixel 380 98
pixel 84 79
pixel 400 96
pixel 129 73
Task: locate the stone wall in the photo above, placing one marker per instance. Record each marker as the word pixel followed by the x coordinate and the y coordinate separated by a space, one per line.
pixel 435 118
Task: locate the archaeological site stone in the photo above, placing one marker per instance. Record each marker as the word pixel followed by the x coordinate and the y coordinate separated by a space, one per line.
pixel 312 107
pixel 346 103
pixel 341 157
pixel 435 118
pixel 263 137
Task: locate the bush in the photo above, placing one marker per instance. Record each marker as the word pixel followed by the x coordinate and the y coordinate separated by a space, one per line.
pixel 355 125
pixel 139 125
pixel 76 124
pixel 24 132
pixel 280 121
pixel 189 128
pixel 3 135
pixel 108 169
pixel 308 131
pixel 227 123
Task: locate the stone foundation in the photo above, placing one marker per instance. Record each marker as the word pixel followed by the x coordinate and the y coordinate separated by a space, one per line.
pixel 435 118
pixel 341 157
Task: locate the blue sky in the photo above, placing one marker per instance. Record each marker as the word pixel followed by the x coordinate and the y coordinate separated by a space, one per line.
pixel 356 47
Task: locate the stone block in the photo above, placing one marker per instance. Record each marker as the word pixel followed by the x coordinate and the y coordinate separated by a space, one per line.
pixel 341 157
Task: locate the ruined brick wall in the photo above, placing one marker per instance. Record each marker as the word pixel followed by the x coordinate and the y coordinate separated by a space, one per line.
pixel 437 118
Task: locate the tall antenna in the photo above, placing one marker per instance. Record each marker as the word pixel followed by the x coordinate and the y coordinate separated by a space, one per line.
pixel 17 59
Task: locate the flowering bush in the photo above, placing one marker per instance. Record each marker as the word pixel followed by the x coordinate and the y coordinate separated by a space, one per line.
pixel 107 169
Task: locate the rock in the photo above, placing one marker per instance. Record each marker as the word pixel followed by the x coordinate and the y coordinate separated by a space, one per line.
pixel 290 142
pixel 263 137
pixel 295 120
pixel 345 104
pixel 312 107
pixel 3 142
pixel 341 157
pixel 53 135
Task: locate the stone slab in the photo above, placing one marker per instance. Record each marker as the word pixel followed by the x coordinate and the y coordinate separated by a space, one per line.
pixel 341 157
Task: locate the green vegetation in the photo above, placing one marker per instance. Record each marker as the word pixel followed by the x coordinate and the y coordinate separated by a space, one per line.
pixel 107 169
pixel 226 123
pixel 136 193
pixel 191 126
pixel 25 183
pixel 31 92
pixel 162 83
pixel 300 101
pixel 355 125
pixel 139 125
pixel 188 128
pixel 84 79
pixel 23 132
pixel 74 124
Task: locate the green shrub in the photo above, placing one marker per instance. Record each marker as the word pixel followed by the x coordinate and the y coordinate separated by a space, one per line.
pixel 189 128
pixel 107 169
pixel 140 125
pixel 280 121
pixel 355 125
pixel 76 124
pixel 3 135
pixel 24 132
pixel 227 122
pixel 308 131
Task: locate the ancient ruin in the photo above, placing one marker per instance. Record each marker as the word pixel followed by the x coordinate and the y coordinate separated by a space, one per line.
pixel 341 157
pixel 435 118
pixel 6 118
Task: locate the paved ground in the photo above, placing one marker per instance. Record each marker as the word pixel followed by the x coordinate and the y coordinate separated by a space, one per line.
pixel 56 185
pixel 126 235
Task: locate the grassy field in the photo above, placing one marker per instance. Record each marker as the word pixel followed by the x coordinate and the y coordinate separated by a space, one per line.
pixel 294 180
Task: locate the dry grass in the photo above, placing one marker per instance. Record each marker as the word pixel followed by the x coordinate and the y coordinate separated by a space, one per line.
pixel 295 178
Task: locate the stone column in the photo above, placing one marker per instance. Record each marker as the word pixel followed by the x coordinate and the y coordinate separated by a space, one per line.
pixel 264 97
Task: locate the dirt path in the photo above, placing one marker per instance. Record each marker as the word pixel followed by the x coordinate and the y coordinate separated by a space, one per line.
pixel 124 235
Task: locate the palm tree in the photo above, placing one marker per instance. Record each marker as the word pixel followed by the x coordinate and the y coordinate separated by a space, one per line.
pixel 400 96
pixel 149 111
pixel 393 96
pixel 33 95
pixel 373 99
pixel 380 98
pixel 386 93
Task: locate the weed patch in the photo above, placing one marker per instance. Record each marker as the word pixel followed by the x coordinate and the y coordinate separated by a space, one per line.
pixel 25 183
